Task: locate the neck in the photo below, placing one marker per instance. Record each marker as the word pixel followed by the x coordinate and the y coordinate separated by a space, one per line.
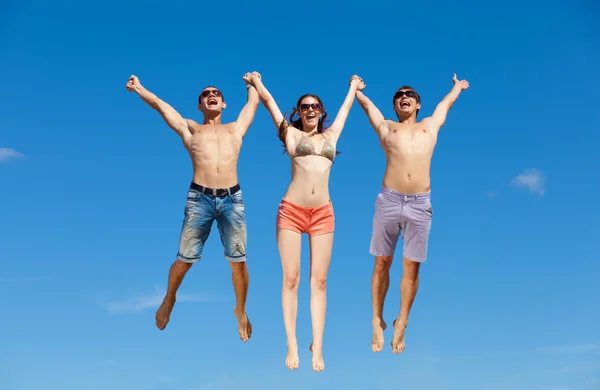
pixel 212 119
pixel 311 130
pixel 409 120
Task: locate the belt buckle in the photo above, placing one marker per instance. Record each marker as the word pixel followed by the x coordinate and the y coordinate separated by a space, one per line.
pixel 214 191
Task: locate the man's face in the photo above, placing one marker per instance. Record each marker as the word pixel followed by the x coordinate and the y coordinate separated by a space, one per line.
pixel 211 100
pixel 406 102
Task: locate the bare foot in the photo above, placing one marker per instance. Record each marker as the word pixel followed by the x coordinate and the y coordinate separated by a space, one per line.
pixel 379 326
pixel 398 340
pixel 163 314
pixel 318 363
pixel 291 360
pixel 244 325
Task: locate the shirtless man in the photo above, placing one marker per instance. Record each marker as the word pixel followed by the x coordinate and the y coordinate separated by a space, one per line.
pixel 214 193
pixel 403 205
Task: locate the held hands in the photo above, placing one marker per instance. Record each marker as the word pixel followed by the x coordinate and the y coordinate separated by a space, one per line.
pixel 133 84
pixel 247 78
pixel 357 82
pixel 251 78
pixel 463 84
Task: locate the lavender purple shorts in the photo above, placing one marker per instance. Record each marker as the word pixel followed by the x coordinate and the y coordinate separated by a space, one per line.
pixel 409 214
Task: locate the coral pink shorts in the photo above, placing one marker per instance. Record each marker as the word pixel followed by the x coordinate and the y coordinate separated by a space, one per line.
pixel 313 221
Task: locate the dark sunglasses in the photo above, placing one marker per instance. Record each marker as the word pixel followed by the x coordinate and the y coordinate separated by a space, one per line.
pixel 207 92
pixel 315 106
pixel 408 94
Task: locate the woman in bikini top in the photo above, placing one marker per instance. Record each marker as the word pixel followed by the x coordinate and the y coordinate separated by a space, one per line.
pixel 306 207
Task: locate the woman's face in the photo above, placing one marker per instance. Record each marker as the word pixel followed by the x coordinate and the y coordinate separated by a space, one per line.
pixel 309 112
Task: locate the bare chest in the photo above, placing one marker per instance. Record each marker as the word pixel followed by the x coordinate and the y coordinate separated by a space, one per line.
pixel 413 139
pixel 209 139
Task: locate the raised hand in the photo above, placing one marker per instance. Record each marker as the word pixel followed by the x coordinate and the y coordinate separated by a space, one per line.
pixel 133 84
pixel 358 82
pixel 254 77
pixel 247 78
pixel 464 84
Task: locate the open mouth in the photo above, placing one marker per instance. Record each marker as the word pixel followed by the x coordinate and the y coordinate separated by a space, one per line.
pixel 404 104
pixel 211 101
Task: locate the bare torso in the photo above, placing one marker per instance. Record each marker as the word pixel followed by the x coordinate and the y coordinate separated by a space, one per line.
pixel 408 149
pixel 214 150
pixel 310 174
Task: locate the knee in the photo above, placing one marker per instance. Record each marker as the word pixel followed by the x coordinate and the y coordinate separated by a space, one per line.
pixel 181 266
pixel 318 283
pixel 238 267
pixel 411 272
pixel 383 264
pixel 290 281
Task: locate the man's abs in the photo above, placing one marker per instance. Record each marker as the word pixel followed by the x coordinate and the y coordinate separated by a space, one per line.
pixel 214 157
pixel 408 153
pixel 412 178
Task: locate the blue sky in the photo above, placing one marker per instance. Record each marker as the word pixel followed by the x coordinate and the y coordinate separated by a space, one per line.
pixel 94 184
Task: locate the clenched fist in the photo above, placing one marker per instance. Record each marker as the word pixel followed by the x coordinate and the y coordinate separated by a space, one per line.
pixel 133 84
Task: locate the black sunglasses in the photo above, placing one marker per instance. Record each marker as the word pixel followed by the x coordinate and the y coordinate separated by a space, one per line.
pixel 408 94
pixel 207 92
pixel 315 106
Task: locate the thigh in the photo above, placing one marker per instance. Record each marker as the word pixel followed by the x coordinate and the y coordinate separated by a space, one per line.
pixel 321 247
pixel 417 227
pixel 289 243
pixel 199 215
pixel 231 222
pixel 386 226
pixel 322 221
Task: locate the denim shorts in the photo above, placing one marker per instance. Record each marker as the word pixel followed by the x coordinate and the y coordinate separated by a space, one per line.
pixel 203 207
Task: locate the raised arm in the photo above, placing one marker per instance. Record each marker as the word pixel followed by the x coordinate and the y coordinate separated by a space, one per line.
pixel 375 116
pixel 337 126
pixel 438 118
pixel 246 116
pixel 266 98
pixel 168 113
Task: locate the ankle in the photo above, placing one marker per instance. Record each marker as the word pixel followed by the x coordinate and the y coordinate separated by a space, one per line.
pixel 292 342
pixel 377 321
pixel 401 321
pixel 240 309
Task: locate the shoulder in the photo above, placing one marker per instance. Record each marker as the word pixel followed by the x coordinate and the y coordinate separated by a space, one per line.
pixel 429 124
pixel 193 125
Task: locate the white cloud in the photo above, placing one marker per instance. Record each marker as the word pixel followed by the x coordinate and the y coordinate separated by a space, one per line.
pixel 532 179
pixel 23 279
pixel 136 303
pixel 8 154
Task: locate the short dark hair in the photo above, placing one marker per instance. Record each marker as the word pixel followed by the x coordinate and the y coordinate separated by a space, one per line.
pixel 409 88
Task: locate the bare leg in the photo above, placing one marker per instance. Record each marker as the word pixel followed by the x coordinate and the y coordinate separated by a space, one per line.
pixel 176 275
pixel 320 257
pixel 241 280
pixel 380 282
pixel 408 291
pixel 289 243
